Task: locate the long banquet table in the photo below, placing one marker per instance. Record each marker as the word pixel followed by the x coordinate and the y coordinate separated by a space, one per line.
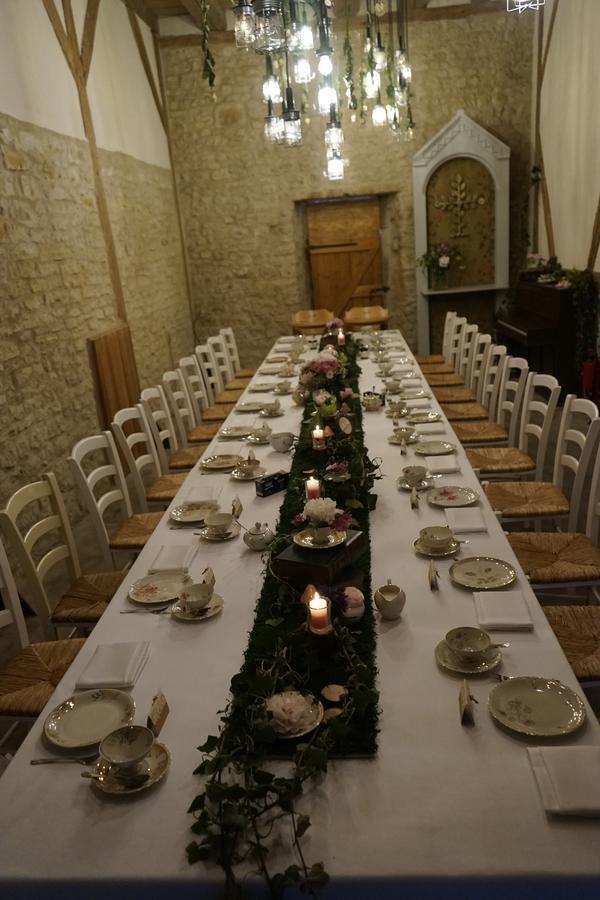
pixel 440 810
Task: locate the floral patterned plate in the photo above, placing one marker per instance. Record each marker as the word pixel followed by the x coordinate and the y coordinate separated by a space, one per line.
pixel 87 717
pixel 482 573
pixel 156 762
pixel 179 611
pixel 420 548
pixel 422 418
pixel 452 496
pixel 435 448
pixel 447 659
pixel 231 432
pixel 305 539
pixel 261 387
pixel 157 588
pixel 221 461
pixel 539 707
pixel 249 406
pixel 192 513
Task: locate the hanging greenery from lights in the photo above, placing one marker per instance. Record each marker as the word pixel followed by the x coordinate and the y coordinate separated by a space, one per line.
pixel 208 69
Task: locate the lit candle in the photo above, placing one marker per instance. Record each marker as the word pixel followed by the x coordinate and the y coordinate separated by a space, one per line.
pixel 341 338
pixel 313 488
pixel 318 438
pixel 318 611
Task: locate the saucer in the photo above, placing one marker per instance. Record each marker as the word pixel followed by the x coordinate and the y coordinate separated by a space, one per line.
pixel 411 437
pixel 306 540
pixel 265 414
pixel 221 461
pixel 218 539
pixel 261 387
pixel 396 415
pixel 448 660
pixel 157 761
pixel 422 550
pixel 249 406
pixel 435 448
pixel 234 432
pixel 253 439
pixel 422 418
pixel 423 485
pixel 239 475
pixel 212 608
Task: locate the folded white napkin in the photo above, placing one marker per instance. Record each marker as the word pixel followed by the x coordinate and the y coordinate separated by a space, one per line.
pixel 568 779
pixel 431 428
pixel 114 666
pixel 411 382
pixel 502 611
pixel 442 465
pixel 199 494
pixel 462 520
pixel 405 367
pixel 174 558
pixel 419 403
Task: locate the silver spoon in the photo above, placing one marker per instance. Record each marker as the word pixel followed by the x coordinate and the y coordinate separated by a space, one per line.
pixel 50 760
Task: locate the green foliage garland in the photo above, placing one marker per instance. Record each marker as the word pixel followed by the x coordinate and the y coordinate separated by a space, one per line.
pixel 240 812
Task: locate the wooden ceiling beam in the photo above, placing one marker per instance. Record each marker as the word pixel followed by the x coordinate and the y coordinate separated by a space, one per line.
pixel 216 14
pixel 145 13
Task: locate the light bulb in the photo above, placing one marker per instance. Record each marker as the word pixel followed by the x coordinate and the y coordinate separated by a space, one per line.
pixel 307 40
pixel 325 66
pixel 302 71
pixel 273 129
pixel 380 58
pixel 335 166
pixel 334 136
pixel 379 115
pixel 372 83
pixel 271 90
pixel 326 96
pixel 292 128
pixel 406 70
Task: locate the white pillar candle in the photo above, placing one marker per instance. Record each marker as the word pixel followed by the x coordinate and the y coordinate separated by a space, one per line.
pixel 341 338
pixel 318 610
pixel 318 437
pixel 313 488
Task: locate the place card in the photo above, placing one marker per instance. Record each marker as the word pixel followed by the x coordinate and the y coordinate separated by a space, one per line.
pixel 465 704
pixel 157 716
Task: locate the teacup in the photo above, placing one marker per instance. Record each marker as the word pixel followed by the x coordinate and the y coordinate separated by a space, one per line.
pixel 282 441
pixel 283 387
pixel 320 534
pixel 126 747
pixel 219 524
pixel 393 386
pixel 397 407
pixel 469 643
pixel 404 433
pixel 272 408
pixel 195 597
pixel 386 367
pixel 414 473
pixel 436 537
pixel 263 433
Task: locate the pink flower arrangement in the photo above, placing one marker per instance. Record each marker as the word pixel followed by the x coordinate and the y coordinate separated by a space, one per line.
pixel 347 393
pixel 334 324
pixel 324 364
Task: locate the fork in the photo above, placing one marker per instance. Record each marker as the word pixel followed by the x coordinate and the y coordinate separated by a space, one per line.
pixel 50 760
pixel 154 612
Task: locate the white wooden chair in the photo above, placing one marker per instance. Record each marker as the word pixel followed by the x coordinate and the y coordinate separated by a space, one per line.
pixel 28 680
pixel 528 458
pixel 213 382
pixel 503 427
pixel 550 500
pixel 570 559
pixel 231 346
pixel 98 473
pixel 443 358
pixel 34 513
pixel 483 348
pixel 134 440
pixel 226 365
pixel 171 456
pixel 180 401
pixel 460 404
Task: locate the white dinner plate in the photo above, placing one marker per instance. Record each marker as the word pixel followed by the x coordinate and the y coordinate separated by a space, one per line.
pixel 221 461
pixel 87 717
pixel 422 418
pixel 539 707
pixel 435 448
pixel 231 432
pixel 261 387
pixel 193 513
pixel 249 406
pixel 452 496
pixel 482 573
pixel 159 587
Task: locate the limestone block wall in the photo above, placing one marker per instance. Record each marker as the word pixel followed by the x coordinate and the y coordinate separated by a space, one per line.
pixel 242 200
pixel 55 290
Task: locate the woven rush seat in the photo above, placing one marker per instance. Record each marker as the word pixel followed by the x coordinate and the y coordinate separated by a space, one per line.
pixel 577 629
pixel 165 487
pixel 186 457
pixel 28 681
pixel 495 460
pixel 430 358
pixel 436 369
pixel 216 413
pixel 554 557
pixel 238 384
pixel 464 412
pixel 479 432
pixel 527 498
pixel 204 433
pixel 135 531
pixel 245 372
pixel 228 397
pixel 445 380
pixel 88 598
pixel 456 394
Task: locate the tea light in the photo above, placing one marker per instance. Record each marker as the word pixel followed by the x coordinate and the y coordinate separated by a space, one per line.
pixel 313 488
pixel 318 438
pixel 319 621
pixel 341 338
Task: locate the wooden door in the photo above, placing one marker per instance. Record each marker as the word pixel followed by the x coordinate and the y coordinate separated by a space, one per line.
pixel 345 253
pixel 114 372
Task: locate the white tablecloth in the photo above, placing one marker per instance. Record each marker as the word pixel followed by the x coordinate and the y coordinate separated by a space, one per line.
pixel 440 810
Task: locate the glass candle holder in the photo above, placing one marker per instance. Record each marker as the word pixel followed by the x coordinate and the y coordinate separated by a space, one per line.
pixel 318 438
pixel 312 488
pixel 319 615
pixel 341 338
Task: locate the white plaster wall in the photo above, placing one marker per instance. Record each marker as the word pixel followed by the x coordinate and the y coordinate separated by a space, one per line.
pixel 36 85
pixel 570 128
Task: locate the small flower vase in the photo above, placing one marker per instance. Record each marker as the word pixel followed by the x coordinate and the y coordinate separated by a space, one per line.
pixel 320 534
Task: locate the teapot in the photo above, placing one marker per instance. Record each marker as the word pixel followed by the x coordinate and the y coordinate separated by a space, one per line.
pixel 390 600
pixel 258 537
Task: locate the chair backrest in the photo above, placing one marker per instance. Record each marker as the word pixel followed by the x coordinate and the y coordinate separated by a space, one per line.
pixel 467 348
pixel 180 404
pixel 592 522
pixel 192 378
pixel 134 440
pixel 221 358
pixel 491 377
pixel 232 349
pixel 98 473
pixel 510 396
pixel 12 614
pixel 575 450
pixel 210 372
pixel 447 334
pixel 160 423
pixel 456 338
pixel 539 404
pixel 36 512
pixel 481 351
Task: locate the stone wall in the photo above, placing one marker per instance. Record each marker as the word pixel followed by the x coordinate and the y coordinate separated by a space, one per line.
pixel 56 292
pixel 240 198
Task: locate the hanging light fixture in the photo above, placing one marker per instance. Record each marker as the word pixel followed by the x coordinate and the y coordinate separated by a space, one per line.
pixel 292 126
pixel 335 165
pixel 244 19
pixel 379 115
pixel 303 73
pixel 269 31
pixel 271 88
pixel 334 136
pixel 327 96
pixel 274 131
